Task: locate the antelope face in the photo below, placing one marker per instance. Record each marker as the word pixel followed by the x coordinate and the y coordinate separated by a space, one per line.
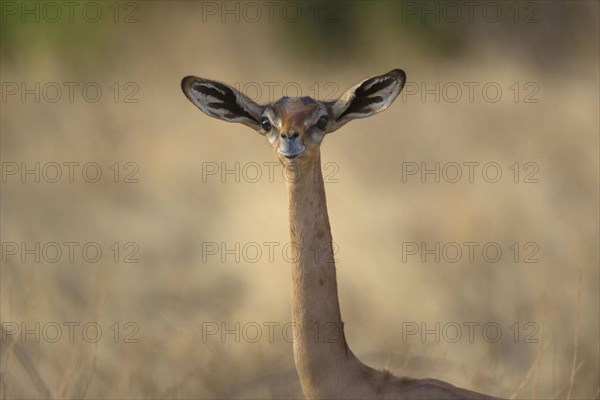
pixel 295 127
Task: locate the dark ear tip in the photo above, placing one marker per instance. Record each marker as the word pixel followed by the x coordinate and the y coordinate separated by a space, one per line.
pixel 399 74
pixel 187 82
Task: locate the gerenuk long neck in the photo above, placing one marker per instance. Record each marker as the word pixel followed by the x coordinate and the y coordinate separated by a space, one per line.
pixel 326 366
pixel 320 351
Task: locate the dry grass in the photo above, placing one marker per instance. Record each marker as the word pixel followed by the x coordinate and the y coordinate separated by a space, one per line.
pixel 171 292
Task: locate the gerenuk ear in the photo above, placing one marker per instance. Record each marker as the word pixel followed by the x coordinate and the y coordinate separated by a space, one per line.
pixel 222 101
pixel 367 98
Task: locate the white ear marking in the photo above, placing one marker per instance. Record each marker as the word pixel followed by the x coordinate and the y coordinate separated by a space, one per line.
pixel 222 101
pixel 367 98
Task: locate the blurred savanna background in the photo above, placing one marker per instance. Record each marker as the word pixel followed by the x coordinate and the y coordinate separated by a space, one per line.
pixel 160 277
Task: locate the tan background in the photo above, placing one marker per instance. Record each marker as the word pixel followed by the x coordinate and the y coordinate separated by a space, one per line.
pixel 171 292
